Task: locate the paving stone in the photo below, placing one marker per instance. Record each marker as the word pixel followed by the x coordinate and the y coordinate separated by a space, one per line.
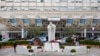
pixel 10 52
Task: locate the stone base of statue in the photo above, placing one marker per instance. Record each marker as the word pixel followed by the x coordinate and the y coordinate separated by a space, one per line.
pixel 51 46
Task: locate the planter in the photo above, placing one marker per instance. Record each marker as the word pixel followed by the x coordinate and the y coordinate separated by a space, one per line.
pixel 30 52
pixel 6 46
pixel 73 52
pixel 36 43
pixel 88 49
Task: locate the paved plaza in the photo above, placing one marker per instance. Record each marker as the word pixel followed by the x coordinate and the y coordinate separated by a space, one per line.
pixel 10 52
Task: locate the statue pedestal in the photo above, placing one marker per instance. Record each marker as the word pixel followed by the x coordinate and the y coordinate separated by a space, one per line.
pixel 48 46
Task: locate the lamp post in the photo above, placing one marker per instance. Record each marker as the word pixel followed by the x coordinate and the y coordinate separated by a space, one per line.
pixel 22 31
pixel 85 31
pixel 92 31
pixel 61 32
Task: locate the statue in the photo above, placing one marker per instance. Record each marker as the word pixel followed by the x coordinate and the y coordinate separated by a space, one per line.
pixel 49 46
pixel 51 31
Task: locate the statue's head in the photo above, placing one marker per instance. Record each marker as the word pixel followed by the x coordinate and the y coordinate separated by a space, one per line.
pixel 50 23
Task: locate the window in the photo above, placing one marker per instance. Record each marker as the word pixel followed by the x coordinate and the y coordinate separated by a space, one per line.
pixel 86 8
pixel 93 1
pixel 98 1
pixel 47 8
pixel 63 0
pixel 78 8
pixel 9 0
pixel 99 8
pixel 71 1
pixel 55 1
pixel 94 21
pixel 32 8
pixel 17 8
pixel 32 0
pixel 24 8
pixel 2 6
pixel 82 22
pixel 24 0
pixel 86 1
pixel 17 0
pixel 55 8
pixel 71 8
pixel 40 8
pixel 69 21
pixel 38 22
pixel 40 0
pixel 2 0
pixel 47 1
pixel 12 21
pixel 25 22
pixel 94 8
pixel 78 1
pixel 9 8
pixel 64 8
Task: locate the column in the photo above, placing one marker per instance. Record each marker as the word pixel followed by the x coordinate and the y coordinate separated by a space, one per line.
pixel 92 31
pixel 0 4
pixel 81 34
pixel 84 32
pixel 22 32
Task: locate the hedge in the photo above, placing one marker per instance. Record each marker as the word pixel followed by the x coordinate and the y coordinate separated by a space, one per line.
pixel 9 43
pixel 89 42
pixel 22 42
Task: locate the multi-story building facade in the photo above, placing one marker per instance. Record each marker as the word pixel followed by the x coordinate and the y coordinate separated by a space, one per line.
pixel 81 14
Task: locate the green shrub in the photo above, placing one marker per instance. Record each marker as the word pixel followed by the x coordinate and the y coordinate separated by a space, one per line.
pixel 22 42
pixel 39 47
pixel 41 44
pixel 90 42
pixel 29 47
pixel 9 43
pixel 11 40
pixel 62 46
pixel 69 40
pixel 88 47
pixel 72 50
pixel 0 45
pixel 30 50
pixel 69 44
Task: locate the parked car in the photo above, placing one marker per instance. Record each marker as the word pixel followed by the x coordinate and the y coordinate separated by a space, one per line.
pixel 61 41
pixel 97 39
pixel 30 41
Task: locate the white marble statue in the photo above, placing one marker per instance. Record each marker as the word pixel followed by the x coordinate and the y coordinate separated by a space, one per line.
pixel 51 31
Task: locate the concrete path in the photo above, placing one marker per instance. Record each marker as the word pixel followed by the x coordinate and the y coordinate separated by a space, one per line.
pixel 10 52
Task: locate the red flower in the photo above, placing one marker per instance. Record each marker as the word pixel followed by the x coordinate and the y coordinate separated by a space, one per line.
pixel 52 41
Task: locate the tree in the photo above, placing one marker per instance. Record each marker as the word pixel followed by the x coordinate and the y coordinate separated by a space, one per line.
pixel 69 31
pixel 33 31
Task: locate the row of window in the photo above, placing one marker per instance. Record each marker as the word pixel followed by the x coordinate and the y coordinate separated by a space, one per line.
pixel 61 8
pixel 82 21
pixel 39 21
pixel 72 1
